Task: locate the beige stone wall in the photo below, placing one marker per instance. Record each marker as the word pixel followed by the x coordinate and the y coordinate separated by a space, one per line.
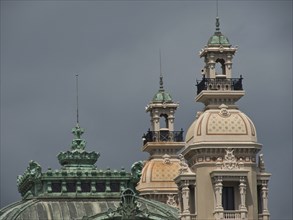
pixel 204 193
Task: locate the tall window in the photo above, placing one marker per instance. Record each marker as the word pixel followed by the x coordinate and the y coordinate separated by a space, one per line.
pixel 259 199
pixel 228 199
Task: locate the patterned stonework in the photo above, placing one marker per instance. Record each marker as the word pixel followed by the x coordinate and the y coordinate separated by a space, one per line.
pixel 144 173
pixel 228 124
pixel 164 172
pixel 199 128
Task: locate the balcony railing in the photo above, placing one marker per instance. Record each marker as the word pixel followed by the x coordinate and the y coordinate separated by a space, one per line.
pixel 163 136
pixel 235 215
pixel 219 84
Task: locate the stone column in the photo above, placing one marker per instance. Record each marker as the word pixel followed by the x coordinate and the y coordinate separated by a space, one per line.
pixel 78 186
pixel 180 201
pixel 218 190
pixel 264 194
pixel 49 186
pixel 93 187
pixel 156 120
pixel 195 208
pixel 63 187
pixel 171 122
pixel 218 185
pixel 185 201
pixel 242 190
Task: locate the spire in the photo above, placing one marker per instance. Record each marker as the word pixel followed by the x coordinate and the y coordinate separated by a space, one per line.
pixel 77 131
pixel 217 20
pixel 77 142
pixel 77 116
pixel 161 75
pixel 78 157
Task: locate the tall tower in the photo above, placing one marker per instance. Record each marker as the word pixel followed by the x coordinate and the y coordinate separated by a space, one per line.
pixel 162 142
pixel 224 180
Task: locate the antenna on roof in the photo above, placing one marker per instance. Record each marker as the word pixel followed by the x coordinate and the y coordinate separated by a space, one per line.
pixel 161 74
pixel 77 116
pixel 217 9
pixel 217 18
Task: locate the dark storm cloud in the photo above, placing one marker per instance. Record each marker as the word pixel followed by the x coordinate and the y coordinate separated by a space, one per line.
pixel 114 46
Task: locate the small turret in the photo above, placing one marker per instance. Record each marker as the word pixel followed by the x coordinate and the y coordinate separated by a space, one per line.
pixel 162 142
pixel 217 85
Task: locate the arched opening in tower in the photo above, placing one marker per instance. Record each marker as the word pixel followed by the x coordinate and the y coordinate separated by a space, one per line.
pixel 164 121
pixel 220 67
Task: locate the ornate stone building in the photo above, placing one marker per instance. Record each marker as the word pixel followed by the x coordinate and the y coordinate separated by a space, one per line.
pixel 223 179
pixel 219 173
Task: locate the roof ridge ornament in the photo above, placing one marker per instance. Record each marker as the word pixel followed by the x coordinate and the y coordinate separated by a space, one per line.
pixel 78 156
pixel 78 143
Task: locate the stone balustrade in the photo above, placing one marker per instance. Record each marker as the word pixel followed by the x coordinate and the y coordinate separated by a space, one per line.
pixel 235 215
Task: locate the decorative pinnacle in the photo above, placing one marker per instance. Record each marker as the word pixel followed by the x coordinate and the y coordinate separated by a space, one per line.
pixel 77 131
pixel 161 75
pixel 217 24
pixel 78 143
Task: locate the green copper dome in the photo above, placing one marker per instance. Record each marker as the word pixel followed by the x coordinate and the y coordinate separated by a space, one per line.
pixel 162 96
pixel 218 38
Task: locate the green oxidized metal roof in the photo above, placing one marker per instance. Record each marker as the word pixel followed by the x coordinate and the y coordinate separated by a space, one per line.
pixel 78 176
pixel 162 96
pixel 218 38
pixel 125 207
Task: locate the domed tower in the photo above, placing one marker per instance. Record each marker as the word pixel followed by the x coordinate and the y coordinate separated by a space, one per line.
pixel 223 179
pixel 162 142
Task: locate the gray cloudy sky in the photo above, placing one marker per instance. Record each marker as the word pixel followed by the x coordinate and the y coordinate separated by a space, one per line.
pixel 114 47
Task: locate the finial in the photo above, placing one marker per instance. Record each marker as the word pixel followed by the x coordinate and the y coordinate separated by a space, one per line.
pixel 78 143
pixel 217 24
pixel 77 116
pixel 161 74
